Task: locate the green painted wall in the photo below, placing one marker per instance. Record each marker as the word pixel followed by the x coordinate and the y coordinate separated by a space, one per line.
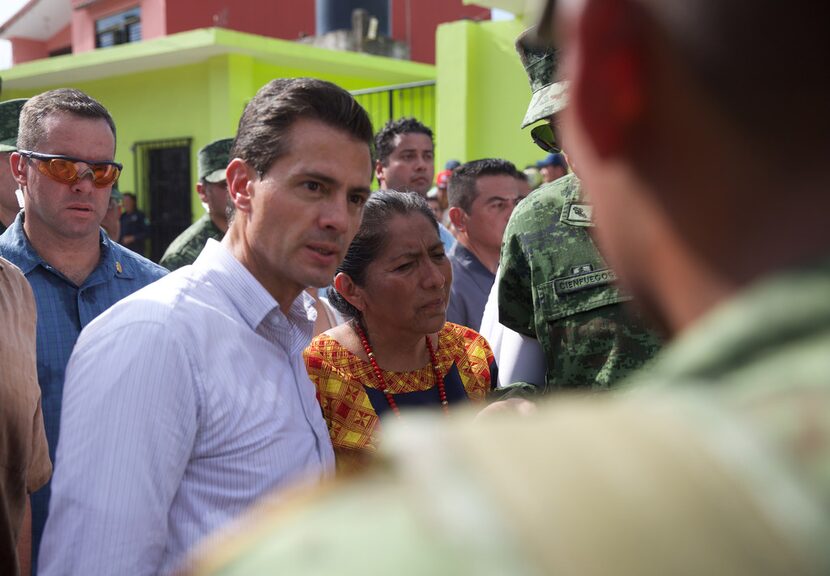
pixel 162 104
pixel 482 93
pixel 203 100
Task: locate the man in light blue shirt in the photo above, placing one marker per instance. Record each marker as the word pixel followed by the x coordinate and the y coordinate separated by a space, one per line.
pixel 195 387
pixel 64 167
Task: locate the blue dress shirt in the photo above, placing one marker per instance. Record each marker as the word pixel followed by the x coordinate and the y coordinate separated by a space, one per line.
pixel 63 309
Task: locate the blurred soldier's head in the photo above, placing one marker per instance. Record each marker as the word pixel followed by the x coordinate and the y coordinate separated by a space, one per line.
pixel 212 186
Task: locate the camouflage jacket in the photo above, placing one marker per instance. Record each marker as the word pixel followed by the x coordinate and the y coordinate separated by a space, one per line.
pixel 188 245
pixel 554 286
pixel 764 353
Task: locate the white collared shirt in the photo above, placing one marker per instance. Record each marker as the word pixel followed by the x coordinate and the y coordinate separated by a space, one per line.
pixel 183 404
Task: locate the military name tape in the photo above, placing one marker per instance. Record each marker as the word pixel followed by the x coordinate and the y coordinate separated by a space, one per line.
pixel 582 281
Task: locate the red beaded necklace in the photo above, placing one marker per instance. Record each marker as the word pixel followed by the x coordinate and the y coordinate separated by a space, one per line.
pixel 442 392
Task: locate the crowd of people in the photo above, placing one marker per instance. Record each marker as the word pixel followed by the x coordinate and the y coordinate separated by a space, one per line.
pixel 418 341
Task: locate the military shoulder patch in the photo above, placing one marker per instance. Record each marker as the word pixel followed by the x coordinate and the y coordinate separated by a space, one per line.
pixel 580 213
pixel 583 281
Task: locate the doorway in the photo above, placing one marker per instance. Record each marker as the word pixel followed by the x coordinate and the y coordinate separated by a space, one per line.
pixel 164 190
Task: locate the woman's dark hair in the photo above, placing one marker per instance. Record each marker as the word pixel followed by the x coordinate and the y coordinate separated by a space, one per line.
pixel 372 236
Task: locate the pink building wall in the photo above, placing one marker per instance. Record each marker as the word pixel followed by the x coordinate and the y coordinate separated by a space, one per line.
pixel 286 20
pixel 412 21
pixel 24 50
pixel 424 18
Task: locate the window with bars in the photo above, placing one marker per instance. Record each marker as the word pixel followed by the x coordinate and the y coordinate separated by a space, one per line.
pixel 119 28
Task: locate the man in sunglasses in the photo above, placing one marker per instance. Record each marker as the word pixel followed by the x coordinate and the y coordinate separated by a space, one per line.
pixel 64 167
pixel 554 287
pixel 9 119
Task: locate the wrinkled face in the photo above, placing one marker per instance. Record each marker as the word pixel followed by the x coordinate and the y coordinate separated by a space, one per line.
pixel 56 211
pixel 411 165
pixel 491 209
pixel 305 210
pixel 407 286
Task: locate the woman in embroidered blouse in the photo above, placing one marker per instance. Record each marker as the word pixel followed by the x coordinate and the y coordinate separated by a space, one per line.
pixel 397 351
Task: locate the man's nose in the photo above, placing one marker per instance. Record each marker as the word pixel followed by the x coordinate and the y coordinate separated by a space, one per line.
pixel 335 213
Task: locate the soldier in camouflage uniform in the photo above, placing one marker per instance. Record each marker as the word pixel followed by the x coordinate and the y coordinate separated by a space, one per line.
pixel 213 190
pixel 554 285
pixel 9 117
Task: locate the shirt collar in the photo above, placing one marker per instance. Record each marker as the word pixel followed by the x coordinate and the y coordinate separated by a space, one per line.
pixel 109 265
pixel 462 255
pixel 253 302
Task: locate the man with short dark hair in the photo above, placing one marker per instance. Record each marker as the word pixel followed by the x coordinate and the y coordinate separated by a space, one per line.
pixel 9 119
pixel 65 169
pixel 482 195
pixel 405 161
pixel 212 189
pixel 196 387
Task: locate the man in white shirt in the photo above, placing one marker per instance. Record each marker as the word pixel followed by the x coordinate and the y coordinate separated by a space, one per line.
pixel 186 402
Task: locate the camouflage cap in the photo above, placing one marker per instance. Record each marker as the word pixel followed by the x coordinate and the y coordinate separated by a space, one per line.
pixel 541 62
pixel 9 120
pixel 213 159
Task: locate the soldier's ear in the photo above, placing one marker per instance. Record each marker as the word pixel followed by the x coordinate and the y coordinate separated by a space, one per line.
pixel 241 178
pixel 200 190
pixel 608 81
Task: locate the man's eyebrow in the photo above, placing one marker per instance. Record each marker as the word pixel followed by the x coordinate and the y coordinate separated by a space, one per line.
pixel 361 189
pixel 324 178
pixel 492 199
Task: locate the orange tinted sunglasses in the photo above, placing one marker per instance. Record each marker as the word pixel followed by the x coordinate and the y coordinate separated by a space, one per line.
pixel 65 169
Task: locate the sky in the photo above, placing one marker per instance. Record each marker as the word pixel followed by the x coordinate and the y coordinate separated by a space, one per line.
pixel 7 8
